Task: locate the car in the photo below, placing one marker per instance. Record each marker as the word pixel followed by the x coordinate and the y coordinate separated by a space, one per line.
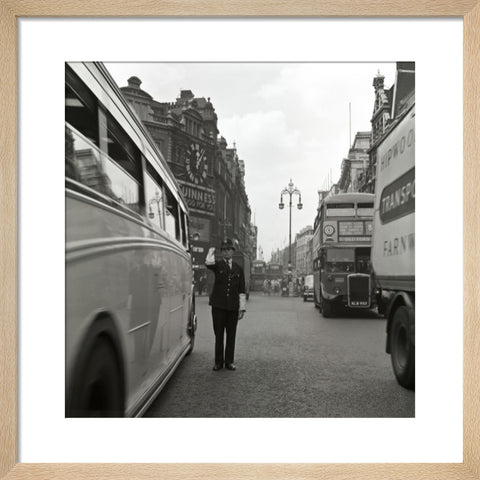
pixel 308 288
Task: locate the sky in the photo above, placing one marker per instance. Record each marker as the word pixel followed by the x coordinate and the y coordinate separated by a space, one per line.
pixel 288 121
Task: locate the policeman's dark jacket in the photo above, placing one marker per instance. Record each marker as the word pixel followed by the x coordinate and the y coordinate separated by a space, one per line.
pixel 229 287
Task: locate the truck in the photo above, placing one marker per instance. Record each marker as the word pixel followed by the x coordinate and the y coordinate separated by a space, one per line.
pixel 393 240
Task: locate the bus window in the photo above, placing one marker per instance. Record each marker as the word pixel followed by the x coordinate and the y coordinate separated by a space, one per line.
pixel 340 210
pixel 365 209
pixel 340 260
pixel 99 154
pixel 154 201
pixel 172 223
pixel 184 228
pixel 118 145
pixel 363 260
pixel 81 107
pixel 91 167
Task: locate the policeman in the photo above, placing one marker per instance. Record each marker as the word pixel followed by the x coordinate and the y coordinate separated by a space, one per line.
pixel 228 302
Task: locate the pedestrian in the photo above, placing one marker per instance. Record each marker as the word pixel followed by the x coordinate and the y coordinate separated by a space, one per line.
pixel 228 302
pixel 265 287
pixel 201 283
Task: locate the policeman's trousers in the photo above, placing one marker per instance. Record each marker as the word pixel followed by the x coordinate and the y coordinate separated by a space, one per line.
pixel 224 321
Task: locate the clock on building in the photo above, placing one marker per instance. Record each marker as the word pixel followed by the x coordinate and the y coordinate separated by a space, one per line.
pixel 196 164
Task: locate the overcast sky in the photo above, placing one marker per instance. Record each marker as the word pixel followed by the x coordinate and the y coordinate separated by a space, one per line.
pixel 288 120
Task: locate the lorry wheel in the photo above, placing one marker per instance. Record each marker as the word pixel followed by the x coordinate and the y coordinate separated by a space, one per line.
pixel 402 350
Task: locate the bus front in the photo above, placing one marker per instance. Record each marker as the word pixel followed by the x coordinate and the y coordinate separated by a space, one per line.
pixel 344 257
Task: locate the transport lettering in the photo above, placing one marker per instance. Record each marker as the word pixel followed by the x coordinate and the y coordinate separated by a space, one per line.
pixel 398 198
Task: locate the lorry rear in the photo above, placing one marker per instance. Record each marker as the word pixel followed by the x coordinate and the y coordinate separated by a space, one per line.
pixel 393 245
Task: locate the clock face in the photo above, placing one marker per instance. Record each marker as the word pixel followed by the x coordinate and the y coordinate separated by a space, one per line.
pixel 196 164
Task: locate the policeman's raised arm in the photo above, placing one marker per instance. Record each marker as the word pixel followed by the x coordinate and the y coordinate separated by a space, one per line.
pixel 210 260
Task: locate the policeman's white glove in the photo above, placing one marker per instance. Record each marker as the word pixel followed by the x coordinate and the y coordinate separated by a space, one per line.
pixel 210 260
pixel 243 302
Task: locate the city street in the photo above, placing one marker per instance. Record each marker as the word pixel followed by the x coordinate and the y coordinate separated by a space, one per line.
pixel 291 362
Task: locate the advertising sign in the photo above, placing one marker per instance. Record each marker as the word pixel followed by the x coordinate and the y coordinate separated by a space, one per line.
pixel 393 251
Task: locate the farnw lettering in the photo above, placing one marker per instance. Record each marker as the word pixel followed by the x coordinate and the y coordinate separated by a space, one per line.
pixel 399 245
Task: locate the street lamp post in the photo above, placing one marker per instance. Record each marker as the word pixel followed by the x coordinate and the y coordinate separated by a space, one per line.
pixel 225 224
pixel 291 190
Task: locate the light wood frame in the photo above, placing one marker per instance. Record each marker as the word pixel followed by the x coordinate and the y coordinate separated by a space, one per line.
pixel 11 10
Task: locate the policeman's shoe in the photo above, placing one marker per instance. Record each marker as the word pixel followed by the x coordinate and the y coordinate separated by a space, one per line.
pixel 230 366
pixel 217 366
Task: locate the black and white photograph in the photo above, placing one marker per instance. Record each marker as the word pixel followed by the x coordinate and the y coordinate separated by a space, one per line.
pixel 240 239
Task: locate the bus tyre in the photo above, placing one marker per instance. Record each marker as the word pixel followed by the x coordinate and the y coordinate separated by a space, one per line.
pixel 192 328
pixel 192 345
pixel 315 301
pixel 99 388
pixel 327 308
pixel 402 350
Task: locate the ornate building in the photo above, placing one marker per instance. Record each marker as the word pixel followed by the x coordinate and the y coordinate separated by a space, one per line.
pixel 210 174
pixel 387 104
pixel 354 167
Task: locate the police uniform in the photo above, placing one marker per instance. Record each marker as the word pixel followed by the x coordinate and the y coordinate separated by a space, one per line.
pixel 227 299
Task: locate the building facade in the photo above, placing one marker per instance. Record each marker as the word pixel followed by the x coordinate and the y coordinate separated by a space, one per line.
pixel 388 103
pixel 354 167
pixel 302 251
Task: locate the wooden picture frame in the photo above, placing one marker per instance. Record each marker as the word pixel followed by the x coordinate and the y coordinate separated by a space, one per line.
pixel 11 10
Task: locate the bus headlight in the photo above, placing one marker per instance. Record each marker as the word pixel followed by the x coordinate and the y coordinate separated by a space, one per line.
pixel 336 290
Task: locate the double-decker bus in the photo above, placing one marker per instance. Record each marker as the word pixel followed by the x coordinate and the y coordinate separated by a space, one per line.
pixel 341 246
pixel 258 275
pixel 274 271
pixel 130 309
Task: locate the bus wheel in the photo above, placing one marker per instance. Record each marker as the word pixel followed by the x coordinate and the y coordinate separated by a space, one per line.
pixel 192 328
pixel 192 345
pixel 402 349
pixel 327 308
pixel 99 388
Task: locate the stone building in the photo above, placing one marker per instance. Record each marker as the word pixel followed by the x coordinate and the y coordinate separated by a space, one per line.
pixel 388 103
pixel 282 256
pixel 355 166
pixel 303 256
